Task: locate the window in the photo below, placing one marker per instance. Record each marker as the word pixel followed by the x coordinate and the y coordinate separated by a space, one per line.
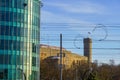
pixel 2 3
pixel 5 59
pixel 34 74
pixel 19 59
pixel 33 47
pixel 2 15
pixel 13 31
pixel 10 16
pixel 2 59
pixel 33 61
pixel 11 45
pixel 3 73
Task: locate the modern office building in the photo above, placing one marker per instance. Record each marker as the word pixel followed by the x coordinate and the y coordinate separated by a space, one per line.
pixel 19 37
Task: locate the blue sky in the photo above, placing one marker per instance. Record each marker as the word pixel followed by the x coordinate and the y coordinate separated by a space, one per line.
pixel 77 19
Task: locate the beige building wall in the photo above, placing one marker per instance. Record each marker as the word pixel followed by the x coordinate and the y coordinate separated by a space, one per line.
pixel 68 57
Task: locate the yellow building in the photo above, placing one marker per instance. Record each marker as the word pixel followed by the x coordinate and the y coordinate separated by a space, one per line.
pixel 68 57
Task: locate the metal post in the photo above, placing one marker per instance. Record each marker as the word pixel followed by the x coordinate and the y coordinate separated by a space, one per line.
pixel 60 56
pixel 24 6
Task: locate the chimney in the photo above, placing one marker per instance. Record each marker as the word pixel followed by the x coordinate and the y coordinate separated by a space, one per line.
pixel 88 49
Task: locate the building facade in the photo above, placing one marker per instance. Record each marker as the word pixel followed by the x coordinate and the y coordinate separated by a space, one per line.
pixel 19 37
pixel 68 59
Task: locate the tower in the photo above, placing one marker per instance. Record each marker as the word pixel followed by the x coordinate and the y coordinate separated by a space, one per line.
pixel 19 38
pixel 88 49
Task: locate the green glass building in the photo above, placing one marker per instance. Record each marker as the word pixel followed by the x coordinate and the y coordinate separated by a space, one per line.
pixel 19 39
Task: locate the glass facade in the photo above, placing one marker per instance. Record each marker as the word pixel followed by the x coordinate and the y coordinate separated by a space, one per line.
pixel 19 39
